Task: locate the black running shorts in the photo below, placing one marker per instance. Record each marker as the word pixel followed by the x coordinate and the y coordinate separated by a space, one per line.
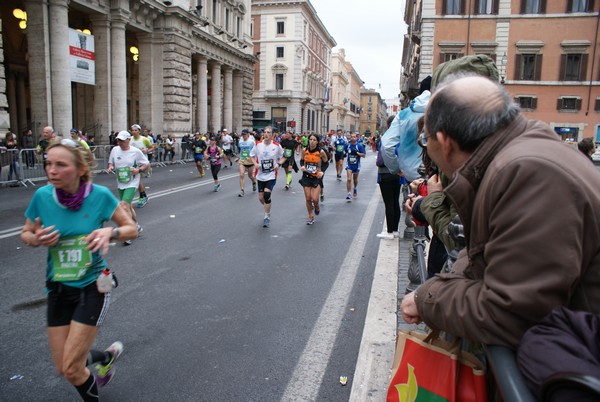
pixel 86 306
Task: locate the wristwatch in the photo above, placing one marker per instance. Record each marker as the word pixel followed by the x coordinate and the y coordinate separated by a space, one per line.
pixel 115 233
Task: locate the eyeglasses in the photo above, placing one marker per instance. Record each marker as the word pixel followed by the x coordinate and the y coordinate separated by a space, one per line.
pixel 69 143
pixel 422 139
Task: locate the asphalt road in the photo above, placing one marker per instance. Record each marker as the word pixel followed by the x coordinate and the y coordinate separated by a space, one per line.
pixel 211 306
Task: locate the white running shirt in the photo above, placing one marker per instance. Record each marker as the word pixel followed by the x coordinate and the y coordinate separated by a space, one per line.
pixel 268 157
pixel 126 159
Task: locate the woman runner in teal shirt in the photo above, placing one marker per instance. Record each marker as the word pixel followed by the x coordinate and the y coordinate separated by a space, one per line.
pixel 68 216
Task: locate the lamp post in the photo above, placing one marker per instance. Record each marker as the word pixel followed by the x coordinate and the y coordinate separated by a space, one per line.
pixel 503 61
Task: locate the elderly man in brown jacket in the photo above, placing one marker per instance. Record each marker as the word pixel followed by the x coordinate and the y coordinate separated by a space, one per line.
pixel 530 206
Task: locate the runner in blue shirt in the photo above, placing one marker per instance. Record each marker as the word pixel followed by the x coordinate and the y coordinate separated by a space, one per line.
pixel 355 151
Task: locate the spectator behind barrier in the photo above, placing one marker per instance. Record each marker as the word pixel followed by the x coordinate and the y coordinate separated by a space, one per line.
pixel 507 174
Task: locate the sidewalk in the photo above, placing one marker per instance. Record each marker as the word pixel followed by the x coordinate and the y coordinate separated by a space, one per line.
pixel 376 355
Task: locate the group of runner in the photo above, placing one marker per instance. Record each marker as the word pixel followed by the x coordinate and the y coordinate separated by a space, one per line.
pixel 68 215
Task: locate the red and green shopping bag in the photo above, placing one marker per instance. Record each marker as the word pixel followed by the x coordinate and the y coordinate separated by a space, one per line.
pixel 433 370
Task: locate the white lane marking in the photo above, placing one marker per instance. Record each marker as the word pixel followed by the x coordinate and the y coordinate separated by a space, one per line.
pixel 305 383
pixel 17 230
pixel 11 232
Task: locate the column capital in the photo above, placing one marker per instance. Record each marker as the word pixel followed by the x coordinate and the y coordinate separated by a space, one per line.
pixel 100 20
pixel 59 3
pixel 119 18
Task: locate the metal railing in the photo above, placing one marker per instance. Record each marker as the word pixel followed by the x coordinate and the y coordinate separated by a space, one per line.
pixel 24 167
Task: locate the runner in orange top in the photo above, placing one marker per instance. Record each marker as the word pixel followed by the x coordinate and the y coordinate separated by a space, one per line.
pixel 311 180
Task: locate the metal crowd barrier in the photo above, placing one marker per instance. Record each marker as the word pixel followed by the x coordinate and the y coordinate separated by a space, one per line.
pixel 24 167
pixel 508 380
pixel 11 169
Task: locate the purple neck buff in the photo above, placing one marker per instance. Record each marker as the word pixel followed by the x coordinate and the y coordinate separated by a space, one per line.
pixel 74 201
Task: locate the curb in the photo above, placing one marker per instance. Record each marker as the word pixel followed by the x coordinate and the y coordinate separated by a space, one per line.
pixel 376 354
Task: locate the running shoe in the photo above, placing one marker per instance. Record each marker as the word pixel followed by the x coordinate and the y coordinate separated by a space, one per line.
pixel 142 201
pixel 128 242
pixel 310 221
pixel 253 186
pixel 339 178
pixel 266 222
pixel 241 194
pixel 287 187
pixel 396 235
pixel 106 372
pixel 385 235
pixel 322 197
pixel 317 210
pixel 140 229
pixel 355 193
pixel 202 175
pixel 349 197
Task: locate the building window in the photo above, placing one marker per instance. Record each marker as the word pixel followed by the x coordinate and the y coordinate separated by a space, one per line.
pixel 239 27
pixel 526 102
pixel 280 27
pixel 453 7
pixel 533 6
pixel 597 105
pixel 573 67
pixel 280 52
pixel 529 67
pixel 579 6
pixel 215 9
pixel 486 7
pixel 278 81
pixel 369 116
pixel 227 19
pixel 568 104
pixel 450 56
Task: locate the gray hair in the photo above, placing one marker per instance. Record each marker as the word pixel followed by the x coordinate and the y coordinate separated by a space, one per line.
pixel 466 119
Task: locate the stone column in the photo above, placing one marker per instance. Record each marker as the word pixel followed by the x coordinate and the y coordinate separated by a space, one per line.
pixel 21 105
pixel 215 98
pixel 62 108
pixel 4 116
pixel 227 98
pixel 151 96
pixel 118 74
pixel 11 95
pixel 202 93
pixel 38 49
pixel 102 89
pixel 238 82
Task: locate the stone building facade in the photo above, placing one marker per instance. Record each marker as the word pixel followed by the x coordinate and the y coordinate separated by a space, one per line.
pixel 346 90
pixel 373 112
pixel 173 66
pixel 546 53
pixel 293 68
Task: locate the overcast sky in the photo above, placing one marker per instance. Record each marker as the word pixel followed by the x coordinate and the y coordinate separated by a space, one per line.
pixel 372 33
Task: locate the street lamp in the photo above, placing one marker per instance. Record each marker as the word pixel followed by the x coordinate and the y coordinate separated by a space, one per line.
pixel 503 61
pixel 21 16
pixel 135 53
